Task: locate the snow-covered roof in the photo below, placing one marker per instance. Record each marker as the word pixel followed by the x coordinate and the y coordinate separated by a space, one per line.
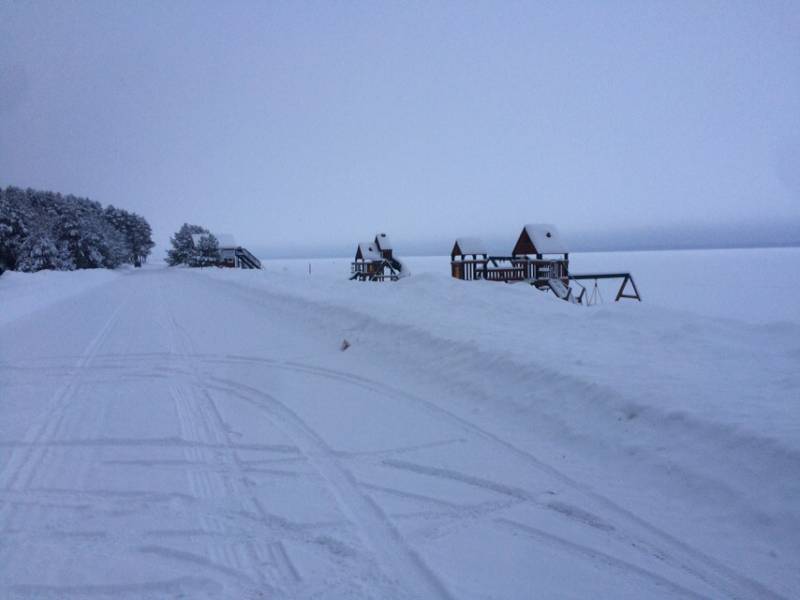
pixel 471 245
pixel 546 238
pixel 369 251
pixel 383 241
pixel 225 240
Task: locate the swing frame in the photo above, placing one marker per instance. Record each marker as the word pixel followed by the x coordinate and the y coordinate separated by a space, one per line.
pixel 626 278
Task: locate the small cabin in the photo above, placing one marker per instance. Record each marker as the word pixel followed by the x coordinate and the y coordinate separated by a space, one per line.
pixel 468 259
pixel 231 254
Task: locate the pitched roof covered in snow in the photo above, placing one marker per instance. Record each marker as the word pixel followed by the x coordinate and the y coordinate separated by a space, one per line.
pixel 383 242
pixel 468 245
pixel 225 240
pixel 539 238
pixel 367 251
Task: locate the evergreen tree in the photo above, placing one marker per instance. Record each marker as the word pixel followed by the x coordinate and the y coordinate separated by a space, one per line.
pixel 140 238
pixel 38 252
pixel 183 251
pixel 14 225
pixel 206 251
pixel 44 230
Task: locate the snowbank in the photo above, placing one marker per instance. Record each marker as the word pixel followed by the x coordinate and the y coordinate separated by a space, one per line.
pixel 24 293
pixel 752 285
pixel 708 404
pixel 626 374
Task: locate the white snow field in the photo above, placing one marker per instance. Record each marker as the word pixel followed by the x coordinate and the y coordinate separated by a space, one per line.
pixel 175 433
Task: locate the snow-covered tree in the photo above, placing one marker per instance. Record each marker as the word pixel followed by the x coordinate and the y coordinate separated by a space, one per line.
pixel 183 251
pixel 206 251
pixel 14 224
pixel 41 230
pixel 140 239
pixel 38 252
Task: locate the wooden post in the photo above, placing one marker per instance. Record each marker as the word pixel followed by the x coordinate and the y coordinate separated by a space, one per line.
pixel 621 294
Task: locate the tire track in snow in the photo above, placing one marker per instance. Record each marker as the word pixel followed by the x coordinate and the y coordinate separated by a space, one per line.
pixel 682 556
pixel 18 471
pixel 206 416
pixel 689 559
pixel 597 556
pixel 572 512
pixel 670 549
pixel 180 587
pixel 197 425
pixel 154 442
pixel 397 559
pixel 26 460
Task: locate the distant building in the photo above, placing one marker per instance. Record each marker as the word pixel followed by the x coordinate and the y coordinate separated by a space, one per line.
pixel 231 254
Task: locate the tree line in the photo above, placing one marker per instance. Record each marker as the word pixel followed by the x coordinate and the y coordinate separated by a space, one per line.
pixel 45 230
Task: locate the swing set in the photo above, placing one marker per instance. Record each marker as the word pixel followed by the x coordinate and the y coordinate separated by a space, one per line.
pixel 595 297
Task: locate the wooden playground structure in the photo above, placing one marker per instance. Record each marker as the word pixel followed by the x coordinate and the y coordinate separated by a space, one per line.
pixel 375 261
pixel 540 259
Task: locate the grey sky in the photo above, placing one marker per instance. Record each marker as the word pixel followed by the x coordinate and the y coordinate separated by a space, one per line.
pixel 292 124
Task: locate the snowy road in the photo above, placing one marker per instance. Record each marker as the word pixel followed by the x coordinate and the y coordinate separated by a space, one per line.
pixel 171 435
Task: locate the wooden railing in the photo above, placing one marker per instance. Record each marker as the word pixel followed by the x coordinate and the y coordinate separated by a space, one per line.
pixel 374 270
pixel 510 269
pixel 359 267
pixel 246 259
pixel 502 274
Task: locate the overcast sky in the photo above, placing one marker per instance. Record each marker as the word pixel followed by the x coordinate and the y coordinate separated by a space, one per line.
pixel 296 124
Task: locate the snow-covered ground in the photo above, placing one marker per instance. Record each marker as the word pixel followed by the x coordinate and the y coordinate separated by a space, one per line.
pixel 753 285
pixel 24 293
pixel 184 433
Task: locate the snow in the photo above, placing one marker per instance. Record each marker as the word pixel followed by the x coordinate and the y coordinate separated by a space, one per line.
pixel 24 293
pixel 470 245
pixel 383 241
pixel 368 251
pixel 546 239
pixel 405 271
pixel 224 240
pixel 476 440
